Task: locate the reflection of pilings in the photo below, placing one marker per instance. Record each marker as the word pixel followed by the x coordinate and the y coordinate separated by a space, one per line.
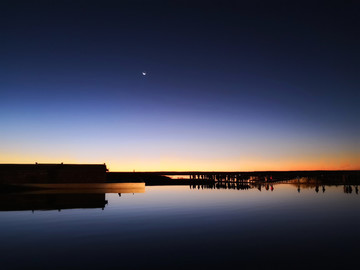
pixel 348 189
pixel 220 177
pixel 267 186
pixel 233 178
pixel 315 186
pixel 222 185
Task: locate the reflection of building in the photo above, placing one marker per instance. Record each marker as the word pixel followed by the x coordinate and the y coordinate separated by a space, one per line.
pixel 63 196
pixel 33 201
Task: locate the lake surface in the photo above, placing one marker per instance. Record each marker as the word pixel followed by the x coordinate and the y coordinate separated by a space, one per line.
pixel 180 227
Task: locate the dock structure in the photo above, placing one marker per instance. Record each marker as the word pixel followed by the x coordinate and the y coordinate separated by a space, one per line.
pixel 52 173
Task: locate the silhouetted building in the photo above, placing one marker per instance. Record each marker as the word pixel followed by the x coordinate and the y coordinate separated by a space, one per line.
pixel 52 173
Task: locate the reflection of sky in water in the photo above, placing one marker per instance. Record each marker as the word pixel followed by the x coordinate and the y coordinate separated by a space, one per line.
pixel 181 227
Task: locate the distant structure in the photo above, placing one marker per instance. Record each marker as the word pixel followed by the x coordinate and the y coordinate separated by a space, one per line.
pixel 52 173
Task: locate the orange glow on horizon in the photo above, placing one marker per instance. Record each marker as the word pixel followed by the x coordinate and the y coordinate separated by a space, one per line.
pixel 343 161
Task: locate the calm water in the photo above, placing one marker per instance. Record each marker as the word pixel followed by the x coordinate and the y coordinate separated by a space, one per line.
pixel 178 227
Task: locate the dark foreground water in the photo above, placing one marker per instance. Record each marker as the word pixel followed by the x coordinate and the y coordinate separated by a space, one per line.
pixel 178 227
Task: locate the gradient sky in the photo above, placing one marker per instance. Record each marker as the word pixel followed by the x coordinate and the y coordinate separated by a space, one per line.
pixel 245 85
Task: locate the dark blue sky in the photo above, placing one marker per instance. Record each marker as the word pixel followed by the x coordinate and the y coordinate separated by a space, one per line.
pixel 227 82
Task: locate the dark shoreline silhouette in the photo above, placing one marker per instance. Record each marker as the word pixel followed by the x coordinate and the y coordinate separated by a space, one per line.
pixel 68 186
pixel 19 175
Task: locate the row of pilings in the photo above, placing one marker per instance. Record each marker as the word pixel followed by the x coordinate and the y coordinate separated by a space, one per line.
pixel 345 177
pixel 230 177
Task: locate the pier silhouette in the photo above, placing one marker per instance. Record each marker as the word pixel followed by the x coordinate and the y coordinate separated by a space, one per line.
pixel 206 177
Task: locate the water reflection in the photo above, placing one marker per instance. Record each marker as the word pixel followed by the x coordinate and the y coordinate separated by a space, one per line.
pixel 222 185
pixel 33 202
pixel 184 227
pixel 349 189
pixel 87 199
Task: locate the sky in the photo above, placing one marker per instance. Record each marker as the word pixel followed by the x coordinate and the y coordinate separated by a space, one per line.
pixel 229 85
